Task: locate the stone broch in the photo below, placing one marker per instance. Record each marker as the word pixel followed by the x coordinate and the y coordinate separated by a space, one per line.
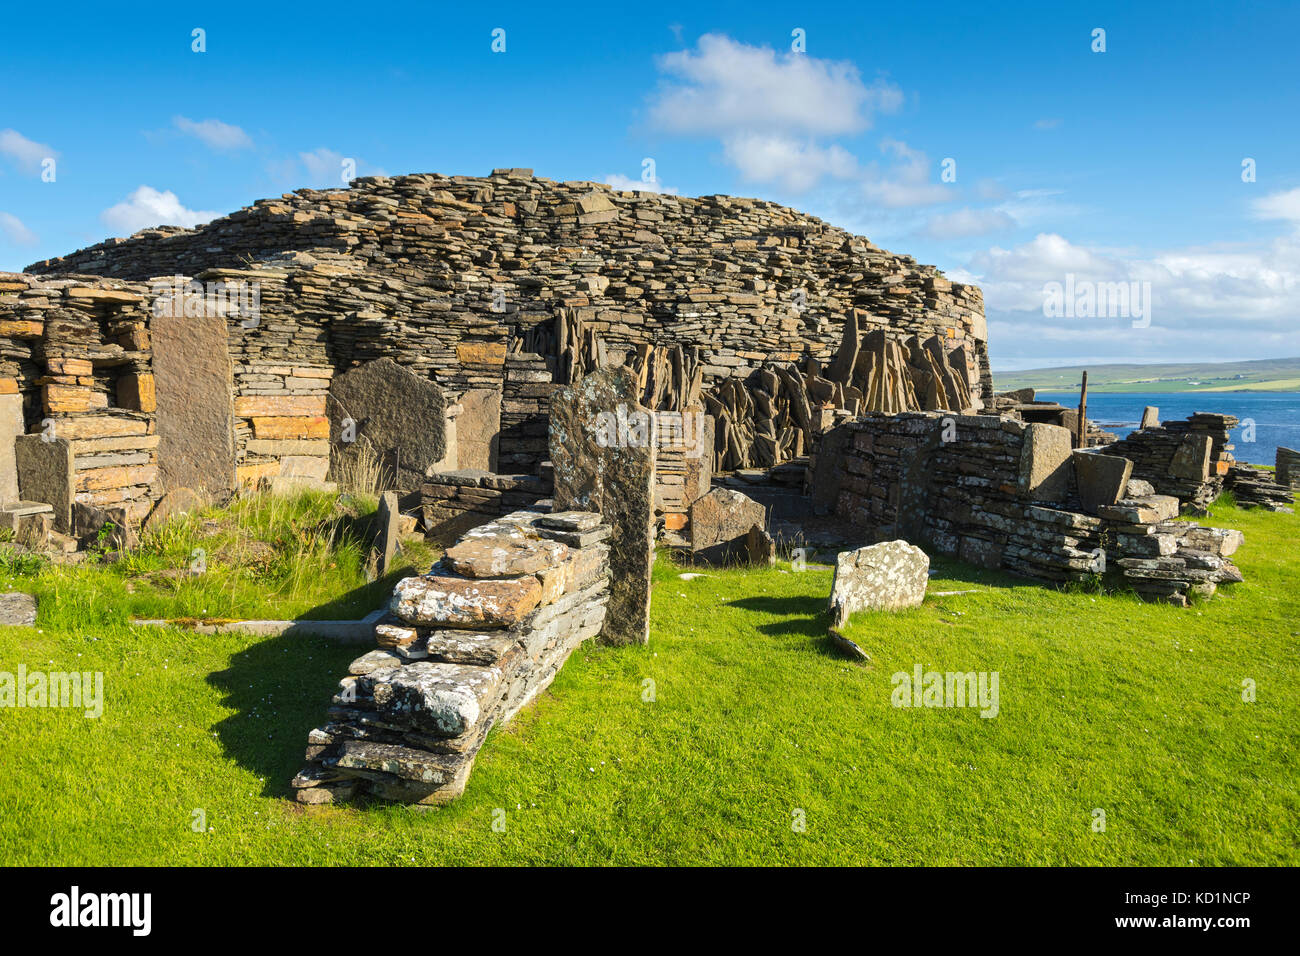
pixel 610 472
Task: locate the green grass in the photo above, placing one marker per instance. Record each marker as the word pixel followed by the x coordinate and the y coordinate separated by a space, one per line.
pixel 1104 703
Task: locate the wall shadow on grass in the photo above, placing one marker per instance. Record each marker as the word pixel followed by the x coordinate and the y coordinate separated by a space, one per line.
pixel 280 688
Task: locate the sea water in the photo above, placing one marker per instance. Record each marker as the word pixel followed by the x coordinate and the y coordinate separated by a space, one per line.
pixel 1276 415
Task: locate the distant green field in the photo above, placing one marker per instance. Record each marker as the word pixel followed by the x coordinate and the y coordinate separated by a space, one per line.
pixel 1265 375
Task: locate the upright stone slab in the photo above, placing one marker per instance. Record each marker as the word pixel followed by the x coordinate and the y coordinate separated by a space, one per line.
pixel 195 403
pixel 1102 479
pixel 1287 466
pixel 45 474
pixel 602 448
pixel 11 426
pixel 1045 462
pixel 1192 458
pixel 399 416
pixel 1150 417
pixel 886 576
pixel 386 521
pixel 478 429
pixel 720 525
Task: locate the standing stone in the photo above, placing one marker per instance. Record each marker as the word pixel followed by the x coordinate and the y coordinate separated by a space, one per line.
pixel 886 576
pixel 1045 462
pixel 478 429
pixel 11 426
pixel 45 474
pixel 194 396
pixel 603 451
pixel 1287 467
pixel 1150 417
pixel 386 522
pixel 720 523
pixel 399 416
pixel 1192 458
pixel 1102 479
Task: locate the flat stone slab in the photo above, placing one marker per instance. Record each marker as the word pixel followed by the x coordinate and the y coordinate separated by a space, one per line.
pixel 1192 458
pixel 446 699
pixel 399 415
pixel 499 556
pixel 1146 510
pixel 17 609
pixel 433 600
pixel 404 762
pixel 1045 462
pixel 570 520
pixel 886 576
pixel 374 660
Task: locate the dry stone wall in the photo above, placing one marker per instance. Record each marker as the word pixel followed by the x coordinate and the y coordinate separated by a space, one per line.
pixel 463 648
pixel 1000 493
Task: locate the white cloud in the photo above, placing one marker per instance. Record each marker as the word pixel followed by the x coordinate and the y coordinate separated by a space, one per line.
pixel 962 223
pixel 1044 124
pixel 1283 205
pixel 148 207
pixel 25 154
pixel 13 229
pixel 1204 301
pixel 214 133
pixel 908 180
pixel 796 165
pixel 725 87
pixel 624 184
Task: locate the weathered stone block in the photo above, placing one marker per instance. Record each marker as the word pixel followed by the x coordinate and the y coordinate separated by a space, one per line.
pixel 1102 479
pixel 1045 462
pixel 442 600
pixel 886 576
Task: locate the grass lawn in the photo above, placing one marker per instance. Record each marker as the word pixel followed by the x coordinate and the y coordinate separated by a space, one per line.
pixel 755 722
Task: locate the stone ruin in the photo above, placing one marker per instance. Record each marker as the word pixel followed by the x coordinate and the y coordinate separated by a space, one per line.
pixel 553 376
pixel 496 291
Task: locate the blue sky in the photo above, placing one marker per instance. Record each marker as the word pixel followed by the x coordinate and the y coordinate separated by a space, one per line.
pixel 1115 166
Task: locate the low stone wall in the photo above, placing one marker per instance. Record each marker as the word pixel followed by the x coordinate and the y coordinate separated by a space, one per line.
pixel 463 648
pixel 999 493
pixel 452 502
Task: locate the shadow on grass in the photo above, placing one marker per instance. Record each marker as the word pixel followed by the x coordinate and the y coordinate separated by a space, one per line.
pixel 280 688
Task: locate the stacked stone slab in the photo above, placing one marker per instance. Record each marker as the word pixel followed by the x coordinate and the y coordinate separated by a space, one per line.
pixel 463 648
pixel 454 501
pixel 77 351
pixel 1163 559
pixel 1253 487
pixel 1186 459
pixel 999 493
